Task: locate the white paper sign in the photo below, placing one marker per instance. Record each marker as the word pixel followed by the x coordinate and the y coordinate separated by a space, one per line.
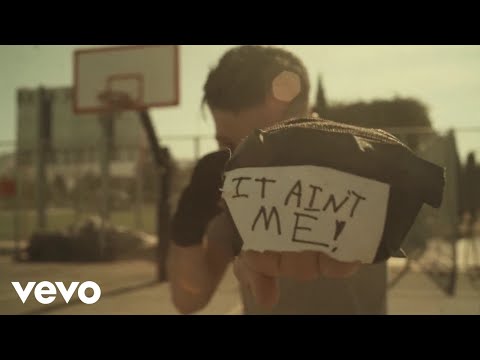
pixel 297 208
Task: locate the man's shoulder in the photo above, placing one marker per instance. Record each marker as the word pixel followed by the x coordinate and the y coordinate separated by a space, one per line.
pixel 215 157
pixel 211 164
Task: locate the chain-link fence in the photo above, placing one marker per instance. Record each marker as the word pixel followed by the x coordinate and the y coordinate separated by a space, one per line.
pixel 433 241
pixel 73 186
pixel 73 193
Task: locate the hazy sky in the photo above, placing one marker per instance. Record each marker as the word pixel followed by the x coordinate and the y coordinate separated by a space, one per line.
pixel 445 78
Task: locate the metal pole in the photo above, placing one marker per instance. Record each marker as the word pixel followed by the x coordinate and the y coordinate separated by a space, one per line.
pixel 163 166
pixel 17 199
pixel 106 123
pixel 138 192
pixel 164 217
pixel 196 141
pixel 42 140
pixel 452 201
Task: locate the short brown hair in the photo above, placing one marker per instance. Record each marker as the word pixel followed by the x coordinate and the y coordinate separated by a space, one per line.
pixel 244 76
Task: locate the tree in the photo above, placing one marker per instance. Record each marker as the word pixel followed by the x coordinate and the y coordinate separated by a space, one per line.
pixel 321 102
pixel 381 114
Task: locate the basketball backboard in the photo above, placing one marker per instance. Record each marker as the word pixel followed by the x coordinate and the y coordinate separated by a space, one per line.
pixel 148 74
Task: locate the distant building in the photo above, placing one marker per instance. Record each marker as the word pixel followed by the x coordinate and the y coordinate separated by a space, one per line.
pixel 74 140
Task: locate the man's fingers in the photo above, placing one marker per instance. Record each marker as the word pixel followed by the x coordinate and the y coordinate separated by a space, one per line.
pixel 300 266
pixel 267 263
pixel 331 268
pixel 240 272
pixel 259 271
pixel 264 288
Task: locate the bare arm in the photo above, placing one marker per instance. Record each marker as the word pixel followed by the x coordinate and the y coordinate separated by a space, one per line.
pixel 197 262
pixel 195 271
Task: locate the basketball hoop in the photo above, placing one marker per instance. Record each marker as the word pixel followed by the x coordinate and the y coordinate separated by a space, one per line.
pixel 7 188
pixel 126 77
pixel 113 79
pixel 117 100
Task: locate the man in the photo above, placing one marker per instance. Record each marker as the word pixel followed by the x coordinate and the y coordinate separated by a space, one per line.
pixel 252 87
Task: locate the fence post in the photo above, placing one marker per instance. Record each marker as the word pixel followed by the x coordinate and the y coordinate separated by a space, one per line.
pixel 138 191
pixel 43 135
pixel 196 142
pixel 107 123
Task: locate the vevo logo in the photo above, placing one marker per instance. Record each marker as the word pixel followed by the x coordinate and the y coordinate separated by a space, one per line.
pixel 45 291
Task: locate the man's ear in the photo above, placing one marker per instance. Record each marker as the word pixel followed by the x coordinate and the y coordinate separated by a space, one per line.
pixel 275 109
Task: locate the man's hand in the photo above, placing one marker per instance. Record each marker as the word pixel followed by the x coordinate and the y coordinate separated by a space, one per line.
pixel 199 202
pixel 260 271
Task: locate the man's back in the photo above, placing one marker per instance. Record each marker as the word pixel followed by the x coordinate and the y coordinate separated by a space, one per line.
pixel 362 293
